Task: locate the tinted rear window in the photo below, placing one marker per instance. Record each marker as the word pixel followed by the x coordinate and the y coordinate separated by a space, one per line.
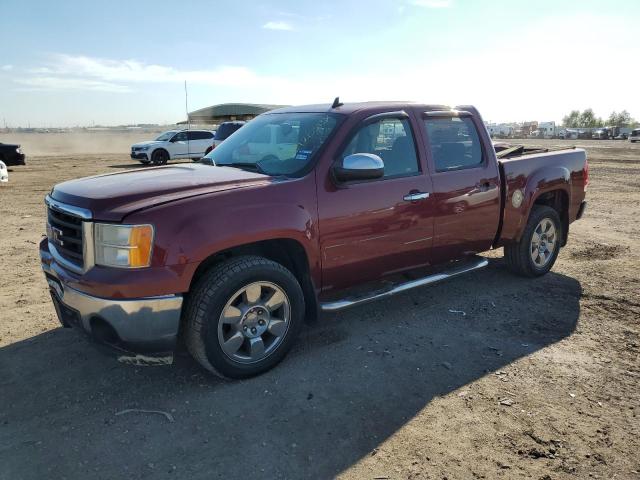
pixel 454 143
pixel 200 135
pixel 226 129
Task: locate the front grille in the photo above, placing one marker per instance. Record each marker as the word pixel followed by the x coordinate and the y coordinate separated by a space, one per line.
pixel 65 233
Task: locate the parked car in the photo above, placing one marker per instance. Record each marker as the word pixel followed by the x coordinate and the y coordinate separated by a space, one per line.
pixel 568 134
pixel 224 131
pixel 619 133
pixel 4 173
pixel 584 134
pixel 634 136
pixel 11 154
pixel 173 144
pixel 235 257
pixel 601 134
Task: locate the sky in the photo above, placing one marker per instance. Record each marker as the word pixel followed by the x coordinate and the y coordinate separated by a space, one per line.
pixel 68 63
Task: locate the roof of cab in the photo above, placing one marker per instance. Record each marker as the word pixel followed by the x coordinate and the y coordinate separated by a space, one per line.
pixel 349 108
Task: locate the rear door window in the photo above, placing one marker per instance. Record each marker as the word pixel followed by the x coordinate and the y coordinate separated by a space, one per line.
pixel 226 129
pixel 454 143
pixel 201 135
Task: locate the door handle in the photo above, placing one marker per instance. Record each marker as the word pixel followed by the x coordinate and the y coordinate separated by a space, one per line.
pixel 485 185
pixel 415 196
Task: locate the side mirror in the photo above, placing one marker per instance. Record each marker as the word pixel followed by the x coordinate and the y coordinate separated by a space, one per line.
pixel 359 166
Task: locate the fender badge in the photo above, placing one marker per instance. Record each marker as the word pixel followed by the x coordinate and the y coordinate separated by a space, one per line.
pixel 516 198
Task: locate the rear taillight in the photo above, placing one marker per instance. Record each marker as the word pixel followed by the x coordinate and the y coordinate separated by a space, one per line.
pixel 586 174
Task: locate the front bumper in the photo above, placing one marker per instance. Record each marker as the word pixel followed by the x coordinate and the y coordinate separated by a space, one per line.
pixel 15 160
pixel 581 210
pixel 139 156
pixel 143 325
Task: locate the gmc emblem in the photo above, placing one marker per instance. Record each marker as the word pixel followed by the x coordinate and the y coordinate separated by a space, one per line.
pixel 56 236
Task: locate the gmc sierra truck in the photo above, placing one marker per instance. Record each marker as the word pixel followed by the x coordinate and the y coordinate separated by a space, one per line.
pixel 232 256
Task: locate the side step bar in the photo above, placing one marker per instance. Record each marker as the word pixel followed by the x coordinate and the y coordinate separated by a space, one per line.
pixel 475 264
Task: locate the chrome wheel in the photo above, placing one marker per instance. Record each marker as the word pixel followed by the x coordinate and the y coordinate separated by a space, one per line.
pixel 254 322
pixel 543 242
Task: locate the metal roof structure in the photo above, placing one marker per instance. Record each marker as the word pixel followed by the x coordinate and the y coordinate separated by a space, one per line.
pixel 229 111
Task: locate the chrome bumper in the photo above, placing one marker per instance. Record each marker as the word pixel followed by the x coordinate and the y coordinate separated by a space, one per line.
pixel 145 325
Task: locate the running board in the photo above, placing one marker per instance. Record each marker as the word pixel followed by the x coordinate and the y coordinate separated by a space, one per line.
pixel 475 264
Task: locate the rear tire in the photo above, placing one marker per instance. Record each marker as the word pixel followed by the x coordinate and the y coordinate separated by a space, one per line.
pixel 538 248
pixel 243 316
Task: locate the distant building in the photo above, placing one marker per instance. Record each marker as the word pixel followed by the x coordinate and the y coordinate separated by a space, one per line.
pixel 500 130
pixel 216 114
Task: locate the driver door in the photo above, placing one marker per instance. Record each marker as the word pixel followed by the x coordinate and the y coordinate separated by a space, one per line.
pixel 373 228
pixel 178 145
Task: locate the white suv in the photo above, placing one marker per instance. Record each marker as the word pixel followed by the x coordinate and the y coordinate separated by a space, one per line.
pixel 174 144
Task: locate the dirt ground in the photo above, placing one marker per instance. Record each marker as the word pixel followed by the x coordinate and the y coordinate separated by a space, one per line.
pixel 538 379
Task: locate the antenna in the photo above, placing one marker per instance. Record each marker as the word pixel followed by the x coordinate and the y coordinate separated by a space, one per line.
pixel 186 107
pixel 336 103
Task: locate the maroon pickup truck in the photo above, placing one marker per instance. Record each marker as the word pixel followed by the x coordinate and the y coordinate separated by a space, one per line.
pixel 288 216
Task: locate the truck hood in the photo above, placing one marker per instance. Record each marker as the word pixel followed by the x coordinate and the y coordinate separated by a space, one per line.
pixel 113 196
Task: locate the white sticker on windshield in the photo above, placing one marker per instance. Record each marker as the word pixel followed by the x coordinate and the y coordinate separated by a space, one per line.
pixel 303 154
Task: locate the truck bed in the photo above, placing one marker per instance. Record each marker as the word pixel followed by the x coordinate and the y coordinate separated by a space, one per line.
pixel 505 150
pixel 542 175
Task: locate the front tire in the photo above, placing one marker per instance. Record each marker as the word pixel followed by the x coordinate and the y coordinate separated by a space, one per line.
pixel 160 157
pixel 243 316
pixel 537 250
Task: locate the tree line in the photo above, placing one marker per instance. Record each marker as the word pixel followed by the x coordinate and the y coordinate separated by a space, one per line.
pixel 588 119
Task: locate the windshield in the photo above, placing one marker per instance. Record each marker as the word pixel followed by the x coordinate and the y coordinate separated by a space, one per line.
pixel 166 136
pixel 276 144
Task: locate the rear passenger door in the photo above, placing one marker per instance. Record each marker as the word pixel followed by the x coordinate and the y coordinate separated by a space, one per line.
pixel 198 142
pixel 466 185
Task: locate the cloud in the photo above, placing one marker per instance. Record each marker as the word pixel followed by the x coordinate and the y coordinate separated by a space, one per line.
pixel 99 74
pixel 6 68
pixel 136 72
pixel 432 3
pixel 59 83
pixel 278 25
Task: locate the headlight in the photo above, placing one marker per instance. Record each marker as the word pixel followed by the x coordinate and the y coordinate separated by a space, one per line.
pixel 124 246
pixel 143 149
pixel 18 150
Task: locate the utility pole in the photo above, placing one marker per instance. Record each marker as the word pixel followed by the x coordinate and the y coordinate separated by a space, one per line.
pixel 186 107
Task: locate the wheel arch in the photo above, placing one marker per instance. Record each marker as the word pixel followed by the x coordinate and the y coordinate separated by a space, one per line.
pixel 157 149
pixel 557 199
pixel 551 187
pixel 288 252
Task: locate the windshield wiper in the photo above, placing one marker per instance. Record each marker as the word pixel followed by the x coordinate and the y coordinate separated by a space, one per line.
pixel 252 167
